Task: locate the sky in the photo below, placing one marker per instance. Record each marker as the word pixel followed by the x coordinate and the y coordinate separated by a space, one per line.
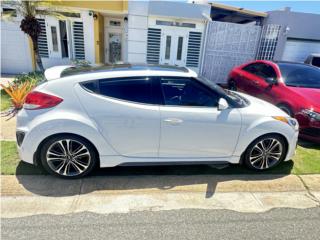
pixel 260 5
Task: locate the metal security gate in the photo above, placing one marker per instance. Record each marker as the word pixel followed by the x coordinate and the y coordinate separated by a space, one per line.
pixel 268 42
pixel 228 45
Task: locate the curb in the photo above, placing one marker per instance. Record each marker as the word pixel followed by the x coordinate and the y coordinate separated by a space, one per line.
pixel 32 195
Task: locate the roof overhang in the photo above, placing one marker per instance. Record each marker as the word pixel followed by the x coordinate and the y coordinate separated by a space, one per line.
pixel 226 13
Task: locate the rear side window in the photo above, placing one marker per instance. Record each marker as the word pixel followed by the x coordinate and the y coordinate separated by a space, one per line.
pixel 129 89
pixel 251 68
pixel 91 86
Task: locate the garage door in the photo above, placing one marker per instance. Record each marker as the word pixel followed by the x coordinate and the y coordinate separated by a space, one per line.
pixel 15 50
pixel 298 50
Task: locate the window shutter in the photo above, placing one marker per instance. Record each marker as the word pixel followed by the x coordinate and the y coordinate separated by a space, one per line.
pixel 42 40
pixel 153 45
pixel 78 40
pixel 194 46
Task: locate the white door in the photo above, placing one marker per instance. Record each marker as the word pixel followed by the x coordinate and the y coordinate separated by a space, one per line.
pixel 173 47
pixel 125 116
pixel 299 50
pixel 15 50
pixel 53 32
pixel 191 124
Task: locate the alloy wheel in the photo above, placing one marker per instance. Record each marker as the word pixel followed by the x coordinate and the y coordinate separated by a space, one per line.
pixel 266 153
pixel 68 157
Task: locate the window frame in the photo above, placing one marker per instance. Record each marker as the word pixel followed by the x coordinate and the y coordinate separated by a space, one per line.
pixel 194 80
pixel 154 96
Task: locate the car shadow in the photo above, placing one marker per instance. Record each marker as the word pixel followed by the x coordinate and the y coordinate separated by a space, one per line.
pixel 143 178
pixel 307 144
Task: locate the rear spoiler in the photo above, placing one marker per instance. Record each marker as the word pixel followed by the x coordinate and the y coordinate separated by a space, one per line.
pixel 55 72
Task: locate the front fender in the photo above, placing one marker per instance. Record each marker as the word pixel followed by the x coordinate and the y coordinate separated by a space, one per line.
pixel 260 127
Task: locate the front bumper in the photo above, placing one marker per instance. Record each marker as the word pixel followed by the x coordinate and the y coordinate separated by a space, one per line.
pixel 309 128
pixel 292 145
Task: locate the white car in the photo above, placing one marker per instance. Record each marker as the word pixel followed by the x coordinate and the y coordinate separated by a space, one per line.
pixel 146 115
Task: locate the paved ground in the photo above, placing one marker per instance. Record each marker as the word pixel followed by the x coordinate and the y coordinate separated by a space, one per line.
pixel 36 195
pixel 175 224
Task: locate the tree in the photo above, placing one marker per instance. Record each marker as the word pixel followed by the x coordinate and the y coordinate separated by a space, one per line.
pixel 29 23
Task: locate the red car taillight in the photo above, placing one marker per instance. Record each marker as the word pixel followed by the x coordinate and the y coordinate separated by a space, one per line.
pixel 39 100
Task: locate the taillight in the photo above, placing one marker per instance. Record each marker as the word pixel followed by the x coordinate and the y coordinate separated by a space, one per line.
pixel 39 100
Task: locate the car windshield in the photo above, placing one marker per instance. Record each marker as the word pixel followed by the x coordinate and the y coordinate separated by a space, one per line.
pixel 300 75
pixel 239 100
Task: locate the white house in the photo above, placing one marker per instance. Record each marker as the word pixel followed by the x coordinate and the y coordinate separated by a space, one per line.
pixel 109 32
pixel 161 32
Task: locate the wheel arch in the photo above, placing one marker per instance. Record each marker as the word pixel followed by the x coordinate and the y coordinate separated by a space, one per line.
pixel 285 104
pixel 36 155
pixel 264 135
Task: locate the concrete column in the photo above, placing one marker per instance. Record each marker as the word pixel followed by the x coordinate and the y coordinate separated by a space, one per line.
pixel 88 32
pixel 137 31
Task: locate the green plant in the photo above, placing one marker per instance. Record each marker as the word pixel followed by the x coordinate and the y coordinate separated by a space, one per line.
pixel 34 77
pixel 5 101
pixel 80 63
pixel 17 93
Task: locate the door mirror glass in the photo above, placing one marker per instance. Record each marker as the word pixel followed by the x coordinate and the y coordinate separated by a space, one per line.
pixel 271 80
pixel 222 104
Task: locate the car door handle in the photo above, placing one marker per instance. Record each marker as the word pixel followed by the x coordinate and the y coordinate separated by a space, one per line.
pixel 256 83
pixel 173 120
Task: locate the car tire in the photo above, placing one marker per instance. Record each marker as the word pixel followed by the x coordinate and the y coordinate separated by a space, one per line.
pixel 286 109
pixel 68 156
pixel 260 157
pixel 232 85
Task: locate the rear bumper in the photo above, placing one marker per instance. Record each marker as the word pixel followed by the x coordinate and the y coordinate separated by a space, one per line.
pixel 25 148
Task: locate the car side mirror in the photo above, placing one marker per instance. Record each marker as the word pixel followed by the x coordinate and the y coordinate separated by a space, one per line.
pixel 222 104
pixel 271 80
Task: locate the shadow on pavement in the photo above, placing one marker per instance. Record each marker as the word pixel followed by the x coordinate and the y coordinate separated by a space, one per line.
pixel 140 178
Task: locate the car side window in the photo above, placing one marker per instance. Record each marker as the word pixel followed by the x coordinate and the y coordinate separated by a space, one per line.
pixel 137 89
pixel 251 68
pixel 266 71
pixel 187 92
pixel 261 70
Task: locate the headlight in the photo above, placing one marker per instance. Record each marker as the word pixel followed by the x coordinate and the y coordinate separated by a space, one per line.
pixel 288 120
pixel 311 114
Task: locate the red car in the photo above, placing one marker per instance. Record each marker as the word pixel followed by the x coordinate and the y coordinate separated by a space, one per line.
pixel 293 87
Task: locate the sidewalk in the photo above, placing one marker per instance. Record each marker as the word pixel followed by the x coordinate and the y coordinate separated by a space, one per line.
pixel 31 195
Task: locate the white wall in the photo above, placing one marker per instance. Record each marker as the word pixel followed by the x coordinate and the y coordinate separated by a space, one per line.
pixel 15 49
pixel 137 31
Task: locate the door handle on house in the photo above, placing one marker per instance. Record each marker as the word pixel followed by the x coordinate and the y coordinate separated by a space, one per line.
pixel 173 121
